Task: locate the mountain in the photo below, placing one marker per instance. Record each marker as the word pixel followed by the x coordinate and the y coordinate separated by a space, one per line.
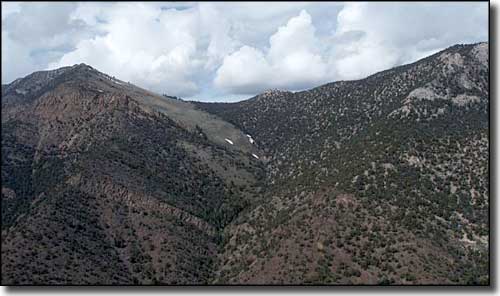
pixel 379 180
pixel 103 182
pixel 383 180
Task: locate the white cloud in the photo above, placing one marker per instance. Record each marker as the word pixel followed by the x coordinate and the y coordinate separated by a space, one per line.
pixel 295 54
pixel 218 29
pixel 244 71
pixel 390 34
pixel 29 29
pixel 9 8
pixel 30 42
pixel 210 50
pixel 151 47
pixel 293 61
pixel 16 60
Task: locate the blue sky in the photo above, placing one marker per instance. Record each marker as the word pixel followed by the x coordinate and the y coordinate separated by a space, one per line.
pixel 231 51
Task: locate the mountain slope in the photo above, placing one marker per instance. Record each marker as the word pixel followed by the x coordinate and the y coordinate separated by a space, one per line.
pixel 380 180
pixel 105 183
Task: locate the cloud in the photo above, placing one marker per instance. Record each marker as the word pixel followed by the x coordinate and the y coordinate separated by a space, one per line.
pixel 245 71
pixel 16 60
pixel 155 48
pixel 296 56
pixel 9 8
pixel 369 37
pixel 375 36
pixel 293 61
pixel 29 41
pixel 221 50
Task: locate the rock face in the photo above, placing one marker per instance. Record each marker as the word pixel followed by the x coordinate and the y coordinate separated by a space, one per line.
pixel 381 180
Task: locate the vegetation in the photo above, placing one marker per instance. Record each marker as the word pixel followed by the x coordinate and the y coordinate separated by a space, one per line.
pixel 377 181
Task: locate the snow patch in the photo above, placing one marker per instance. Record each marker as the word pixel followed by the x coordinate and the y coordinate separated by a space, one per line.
pixel 250 139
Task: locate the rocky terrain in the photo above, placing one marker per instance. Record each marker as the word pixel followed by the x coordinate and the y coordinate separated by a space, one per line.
pixel 383 180
pixel 379 180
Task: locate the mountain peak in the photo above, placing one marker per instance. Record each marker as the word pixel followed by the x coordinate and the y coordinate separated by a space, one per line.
pixel 82 66
pixel 377 180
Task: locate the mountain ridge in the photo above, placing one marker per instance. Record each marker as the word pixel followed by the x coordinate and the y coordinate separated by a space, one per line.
pixel 382 180
pixel 361 136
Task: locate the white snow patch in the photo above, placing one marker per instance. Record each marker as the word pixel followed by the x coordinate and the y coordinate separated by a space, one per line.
pixel 250 139
pixel 229 141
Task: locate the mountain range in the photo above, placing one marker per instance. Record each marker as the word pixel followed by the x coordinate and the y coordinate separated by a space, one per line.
pixel 383 180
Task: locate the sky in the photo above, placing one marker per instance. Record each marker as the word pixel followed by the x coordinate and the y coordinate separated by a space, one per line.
pixel 232 51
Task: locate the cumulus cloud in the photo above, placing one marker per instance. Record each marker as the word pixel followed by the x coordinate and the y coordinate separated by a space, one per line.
pixel 375 36
pixel 244 71
pixel 152 47
pixel 368 37
pixel 30 42
pixel 220 50
pixel 293 61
